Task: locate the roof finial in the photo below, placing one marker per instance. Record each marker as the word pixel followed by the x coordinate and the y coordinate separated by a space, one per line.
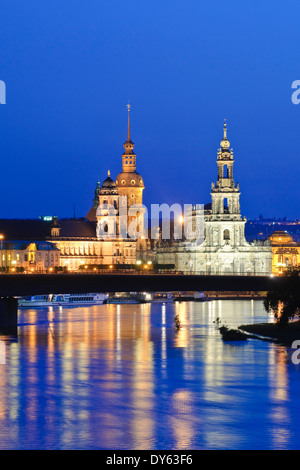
pixel 108 172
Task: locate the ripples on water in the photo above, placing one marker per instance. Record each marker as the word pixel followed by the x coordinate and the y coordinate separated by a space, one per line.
pixel 121 377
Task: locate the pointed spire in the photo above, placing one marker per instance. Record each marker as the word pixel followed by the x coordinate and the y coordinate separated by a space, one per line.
pixel 129 145
pixel 128 131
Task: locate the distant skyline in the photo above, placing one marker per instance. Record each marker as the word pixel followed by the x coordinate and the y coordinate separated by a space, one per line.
pixel 70 69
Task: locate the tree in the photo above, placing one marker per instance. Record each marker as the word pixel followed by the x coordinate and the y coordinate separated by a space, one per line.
pixel 284 301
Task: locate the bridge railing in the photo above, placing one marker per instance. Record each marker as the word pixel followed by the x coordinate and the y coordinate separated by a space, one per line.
pixel 137 272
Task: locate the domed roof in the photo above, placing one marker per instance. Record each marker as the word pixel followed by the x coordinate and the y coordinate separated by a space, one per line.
pixel 108 185
pixel 130 179
pixel 280 237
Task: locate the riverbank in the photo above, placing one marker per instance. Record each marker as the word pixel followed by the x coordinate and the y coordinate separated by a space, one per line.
pixel 272 331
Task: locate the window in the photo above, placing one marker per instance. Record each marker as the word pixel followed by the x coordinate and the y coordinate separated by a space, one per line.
pixel 225 171
pixel 225 205
pixel 226 234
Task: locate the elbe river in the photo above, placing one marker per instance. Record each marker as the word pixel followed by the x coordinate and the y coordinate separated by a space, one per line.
pixel 121 377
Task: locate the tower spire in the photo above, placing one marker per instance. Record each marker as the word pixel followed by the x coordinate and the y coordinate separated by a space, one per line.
pixel 225 142
pixel 128 131
pixel 129 146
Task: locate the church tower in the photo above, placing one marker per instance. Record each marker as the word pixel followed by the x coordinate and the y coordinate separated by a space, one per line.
pixel 224 225
pixel 131 185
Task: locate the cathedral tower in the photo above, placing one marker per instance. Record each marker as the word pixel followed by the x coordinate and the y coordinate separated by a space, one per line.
pixel 225 226
pixel 225 194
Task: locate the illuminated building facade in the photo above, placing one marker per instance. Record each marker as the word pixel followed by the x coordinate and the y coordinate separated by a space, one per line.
pixel 285 252
pixel 25 256
pixel 224 248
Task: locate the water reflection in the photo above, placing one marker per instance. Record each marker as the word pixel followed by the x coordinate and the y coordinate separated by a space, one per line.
pixel 121 377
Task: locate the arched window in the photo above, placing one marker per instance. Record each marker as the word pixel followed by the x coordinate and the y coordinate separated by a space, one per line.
pixel 225 171
pixel 226 234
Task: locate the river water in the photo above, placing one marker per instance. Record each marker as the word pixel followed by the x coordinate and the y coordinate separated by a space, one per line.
pixel 121 377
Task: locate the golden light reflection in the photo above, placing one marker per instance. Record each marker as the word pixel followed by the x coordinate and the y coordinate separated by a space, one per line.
pixel 142 425
pixel 182 335
pixel 279 395
pixel 278 374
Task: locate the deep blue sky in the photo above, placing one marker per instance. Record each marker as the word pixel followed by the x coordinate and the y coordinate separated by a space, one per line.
pixel 71 66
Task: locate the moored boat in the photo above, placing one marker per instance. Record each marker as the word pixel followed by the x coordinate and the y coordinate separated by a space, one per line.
pixel 62 300
pixel 162 297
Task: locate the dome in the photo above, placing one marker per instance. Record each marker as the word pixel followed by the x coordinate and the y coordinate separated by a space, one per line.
pixel 280 238
pixel 108 183
pixel 108 186
pixel 130 179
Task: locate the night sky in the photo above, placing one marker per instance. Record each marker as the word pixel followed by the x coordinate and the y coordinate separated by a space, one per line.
pixel 70 68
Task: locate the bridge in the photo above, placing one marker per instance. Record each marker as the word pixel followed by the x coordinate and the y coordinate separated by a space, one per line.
pixel 15 285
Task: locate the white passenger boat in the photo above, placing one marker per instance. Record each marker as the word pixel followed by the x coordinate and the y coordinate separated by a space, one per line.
pixel 62 300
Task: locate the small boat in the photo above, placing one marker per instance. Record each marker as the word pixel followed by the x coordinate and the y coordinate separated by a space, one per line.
pixel 123 298
pixel 232 335
pixel 62 300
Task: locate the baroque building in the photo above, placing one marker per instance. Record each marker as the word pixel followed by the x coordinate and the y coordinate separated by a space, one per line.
pixel 223 248
pixel 113 231
pixel 285 252
pixel 27 256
